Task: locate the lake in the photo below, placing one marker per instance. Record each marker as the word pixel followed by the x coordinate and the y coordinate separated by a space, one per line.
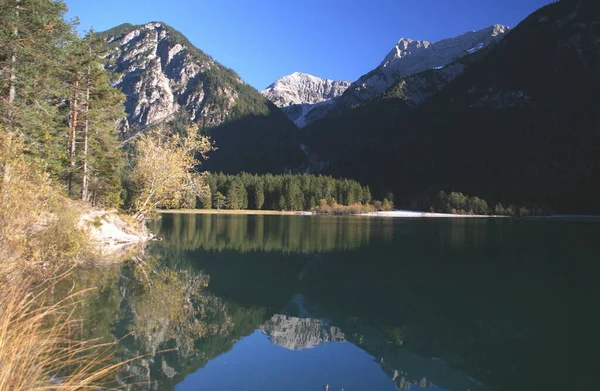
pixel 238 302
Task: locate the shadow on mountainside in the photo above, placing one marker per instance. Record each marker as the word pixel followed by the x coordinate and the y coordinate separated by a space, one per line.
pixel 256 144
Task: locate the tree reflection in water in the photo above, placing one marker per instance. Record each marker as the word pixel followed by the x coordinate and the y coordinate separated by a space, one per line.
pixel 436 303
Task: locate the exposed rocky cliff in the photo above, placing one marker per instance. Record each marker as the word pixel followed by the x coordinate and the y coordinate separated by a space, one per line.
pixel 162 75
pixel 165 78
pixel 299 92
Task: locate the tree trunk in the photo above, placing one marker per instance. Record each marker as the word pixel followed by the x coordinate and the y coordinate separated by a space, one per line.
pixel 74 109
pixel 12 91
pixel 84 184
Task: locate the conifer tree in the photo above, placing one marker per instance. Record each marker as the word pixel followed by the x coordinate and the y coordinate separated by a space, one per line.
pixel 101 158
pixel 259 194
pixel 33 37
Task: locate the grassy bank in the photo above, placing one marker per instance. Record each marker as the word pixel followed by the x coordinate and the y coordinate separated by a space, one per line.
pixel 41 239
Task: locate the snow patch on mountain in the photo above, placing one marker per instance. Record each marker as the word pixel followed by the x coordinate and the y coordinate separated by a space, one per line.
pixel 476 48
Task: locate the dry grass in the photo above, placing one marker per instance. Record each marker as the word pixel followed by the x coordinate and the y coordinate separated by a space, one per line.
pixel 38 350
pixel 38 225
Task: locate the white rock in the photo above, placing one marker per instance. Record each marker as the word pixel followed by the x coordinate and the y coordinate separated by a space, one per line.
pixel 161 76
pixel 302 88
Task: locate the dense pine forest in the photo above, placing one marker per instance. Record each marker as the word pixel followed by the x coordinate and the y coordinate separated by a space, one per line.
pixel 280 192
pixel 58 100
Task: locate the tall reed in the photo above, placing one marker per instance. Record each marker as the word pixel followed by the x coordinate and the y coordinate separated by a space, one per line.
pixel 38 349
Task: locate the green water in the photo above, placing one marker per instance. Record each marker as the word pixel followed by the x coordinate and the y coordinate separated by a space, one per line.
pixel 296 302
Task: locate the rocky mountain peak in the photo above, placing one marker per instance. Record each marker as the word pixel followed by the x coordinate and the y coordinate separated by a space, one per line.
pixel 404 47
pixel 299 93
pixel 499 29
pixel 163 74
pixel 302 88
pixel 407 59
pixel 409 56
pixel 165 77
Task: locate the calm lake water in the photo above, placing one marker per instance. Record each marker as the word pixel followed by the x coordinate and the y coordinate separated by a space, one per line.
pixel 297 302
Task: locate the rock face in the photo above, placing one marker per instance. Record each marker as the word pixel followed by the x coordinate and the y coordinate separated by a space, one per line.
pixel 407 59
pixel 114 237
pixel 298 93
pixel 165 77
pixel 301 88
pixel 410 57
pixel 162 74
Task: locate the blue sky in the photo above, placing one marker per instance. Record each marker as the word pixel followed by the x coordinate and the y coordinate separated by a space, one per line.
pixel 338 39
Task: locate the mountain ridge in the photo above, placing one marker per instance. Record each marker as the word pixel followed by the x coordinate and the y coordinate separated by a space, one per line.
pixel 167 79
pixel 408 57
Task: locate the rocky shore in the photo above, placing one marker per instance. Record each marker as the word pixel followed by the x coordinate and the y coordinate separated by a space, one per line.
pixel 113 234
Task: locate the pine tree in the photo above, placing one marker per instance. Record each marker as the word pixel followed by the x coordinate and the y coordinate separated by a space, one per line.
pixel 101 158
pixel 236 195
pixel 219 200
pixel 206 201
pixel 259 194
pixel 33 38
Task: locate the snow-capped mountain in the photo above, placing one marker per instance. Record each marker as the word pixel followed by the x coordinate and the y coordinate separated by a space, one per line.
pixel 301 88
pixel 297 93
pixel 407 59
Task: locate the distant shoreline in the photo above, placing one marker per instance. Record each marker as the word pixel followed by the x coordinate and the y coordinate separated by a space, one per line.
pixel 397 213
pixel 234 212
pixel 414 214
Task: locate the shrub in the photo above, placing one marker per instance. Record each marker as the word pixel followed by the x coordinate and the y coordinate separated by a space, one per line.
pixel 340 210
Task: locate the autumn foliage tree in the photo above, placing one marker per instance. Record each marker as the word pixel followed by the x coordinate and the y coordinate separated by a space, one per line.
pixel 164 171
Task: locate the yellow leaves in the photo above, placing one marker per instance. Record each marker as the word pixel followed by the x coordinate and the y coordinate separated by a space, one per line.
pixel 163 165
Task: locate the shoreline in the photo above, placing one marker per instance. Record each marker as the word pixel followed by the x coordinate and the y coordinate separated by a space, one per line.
pixel 397 213
pixel 234 212
pixel 114 236
pixel 414 214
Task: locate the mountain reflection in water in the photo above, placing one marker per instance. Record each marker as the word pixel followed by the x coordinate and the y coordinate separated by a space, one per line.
pixel 295 302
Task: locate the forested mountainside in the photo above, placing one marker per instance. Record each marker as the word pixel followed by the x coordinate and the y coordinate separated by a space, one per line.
pixel 165 78
pixel 520 121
